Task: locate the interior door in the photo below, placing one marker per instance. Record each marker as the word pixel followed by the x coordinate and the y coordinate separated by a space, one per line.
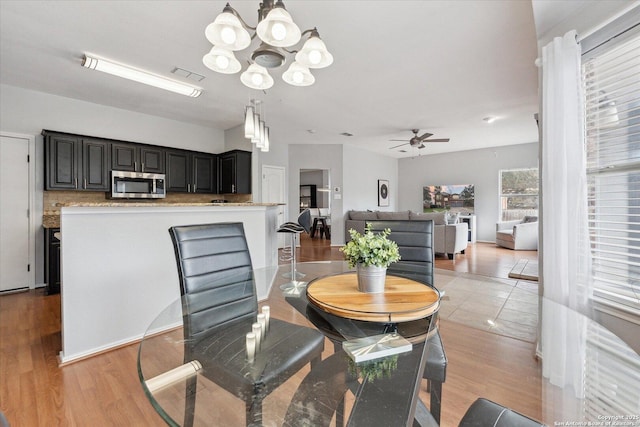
pixel 14 213
pixel 273 191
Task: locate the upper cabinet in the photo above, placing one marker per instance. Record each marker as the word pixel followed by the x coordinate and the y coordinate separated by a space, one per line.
pixel 235 172
pixel 137 158
pixel 191 172
pixel 76 163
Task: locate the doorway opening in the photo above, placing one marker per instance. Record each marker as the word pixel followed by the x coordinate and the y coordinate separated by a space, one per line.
pixel 315 194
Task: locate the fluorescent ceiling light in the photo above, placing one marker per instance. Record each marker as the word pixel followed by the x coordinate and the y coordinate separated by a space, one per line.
pixel 140 76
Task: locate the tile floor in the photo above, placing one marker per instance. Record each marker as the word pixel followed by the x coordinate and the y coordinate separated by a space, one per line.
pixel 506 307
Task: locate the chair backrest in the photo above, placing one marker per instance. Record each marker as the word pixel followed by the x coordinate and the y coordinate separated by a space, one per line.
pixel 304 219
pixel 415 241
pixel 216 275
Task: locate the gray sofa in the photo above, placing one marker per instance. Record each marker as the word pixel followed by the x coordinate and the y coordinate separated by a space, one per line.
pixel 449 239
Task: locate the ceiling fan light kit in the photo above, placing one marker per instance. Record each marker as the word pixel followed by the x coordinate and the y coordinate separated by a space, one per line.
pixel 276 30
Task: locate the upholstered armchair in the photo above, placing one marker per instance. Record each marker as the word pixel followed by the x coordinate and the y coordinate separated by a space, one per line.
pixel 519 234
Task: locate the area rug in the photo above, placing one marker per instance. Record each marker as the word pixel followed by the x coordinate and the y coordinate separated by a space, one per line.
pixel 525 269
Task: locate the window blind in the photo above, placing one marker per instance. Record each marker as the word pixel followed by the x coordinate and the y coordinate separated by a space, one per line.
pixel 611 377
pixel 612 110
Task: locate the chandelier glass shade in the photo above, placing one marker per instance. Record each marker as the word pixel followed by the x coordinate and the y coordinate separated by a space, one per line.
pixel 227 31
pixel 221 60
pixel 255 128
pixel 276 31
pixel 256 77
pixel 298 75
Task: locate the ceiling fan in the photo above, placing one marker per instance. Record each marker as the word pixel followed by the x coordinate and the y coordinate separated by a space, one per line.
pixel 417 141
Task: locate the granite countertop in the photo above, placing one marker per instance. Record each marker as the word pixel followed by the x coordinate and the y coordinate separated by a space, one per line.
pixel 159 204
pixel 51 218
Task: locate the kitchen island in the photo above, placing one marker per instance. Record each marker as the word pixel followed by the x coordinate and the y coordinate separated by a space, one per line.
pixel 119 268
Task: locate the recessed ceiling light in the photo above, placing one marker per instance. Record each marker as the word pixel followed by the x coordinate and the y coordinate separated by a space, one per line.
pixel 489 119
pixel 311 130
pixel 346 134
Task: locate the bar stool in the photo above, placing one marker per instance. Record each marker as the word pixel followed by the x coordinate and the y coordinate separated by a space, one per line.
pixel 294 228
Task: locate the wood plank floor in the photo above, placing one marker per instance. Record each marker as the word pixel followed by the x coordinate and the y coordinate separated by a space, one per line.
pixel 104 390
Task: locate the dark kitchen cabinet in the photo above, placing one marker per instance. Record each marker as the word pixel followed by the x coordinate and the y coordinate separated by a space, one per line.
pixel 235 172
pixel 137 158
pixel 62 153
pixel 52 260
pixel 76 163
pixel 204 173
pixel 95 165
pixel 191 172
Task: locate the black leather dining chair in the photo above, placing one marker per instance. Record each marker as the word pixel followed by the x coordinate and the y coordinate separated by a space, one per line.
pixel 219 307
pixel 417 259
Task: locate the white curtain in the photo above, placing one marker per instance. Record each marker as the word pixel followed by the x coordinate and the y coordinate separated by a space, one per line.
pixel 565 251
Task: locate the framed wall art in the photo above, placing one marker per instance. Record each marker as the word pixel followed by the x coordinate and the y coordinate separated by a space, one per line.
pixel 383 192
pixel 453 198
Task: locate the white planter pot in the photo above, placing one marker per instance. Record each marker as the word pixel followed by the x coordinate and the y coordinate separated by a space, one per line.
pixel 371 279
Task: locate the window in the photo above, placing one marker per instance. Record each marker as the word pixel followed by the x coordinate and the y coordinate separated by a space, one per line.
pixel 518 193
pixel 612 104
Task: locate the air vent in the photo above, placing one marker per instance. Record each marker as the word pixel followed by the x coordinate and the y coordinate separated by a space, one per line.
pixel 187 74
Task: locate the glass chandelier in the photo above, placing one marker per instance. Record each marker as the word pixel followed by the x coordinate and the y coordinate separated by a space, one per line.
pixel 276 30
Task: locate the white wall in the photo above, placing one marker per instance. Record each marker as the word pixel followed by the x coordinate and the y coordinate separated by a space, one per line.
pixel 478 167
pixel 28 112
pixel 362 170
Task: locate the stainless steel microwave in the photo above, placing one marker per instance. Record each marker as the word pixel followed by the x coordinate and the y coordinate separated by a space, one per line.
pixel 137 185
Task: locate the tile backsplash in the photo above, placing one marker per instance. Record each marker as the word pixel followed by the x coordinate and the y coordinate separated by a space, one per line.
pixel 53 200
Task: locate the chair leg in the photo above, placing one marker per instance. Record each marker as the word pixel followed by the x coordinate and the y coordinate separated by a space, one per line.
pixel 435 393
pixel 254 411
pixel 190 401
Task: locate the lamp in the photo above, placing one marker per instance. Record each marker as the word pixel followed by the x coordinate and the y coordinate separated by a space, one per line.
pixel 140 76
pixel 255 128
pixel 276 31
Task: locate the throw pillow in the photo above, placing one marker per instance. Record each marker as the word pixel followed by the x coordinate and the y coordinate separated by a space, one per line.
pixel 453 218
pixel 529 219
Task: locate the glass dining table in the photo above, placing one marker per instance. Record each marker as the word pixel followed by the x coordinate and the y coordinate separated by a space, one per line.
pixel 382 388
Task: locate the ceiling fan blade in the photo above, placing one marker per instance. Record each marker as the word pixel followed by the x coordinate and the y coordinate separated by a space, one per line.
pixel 437 140
pixel 391 148
pixel 426 135
pixel 421 146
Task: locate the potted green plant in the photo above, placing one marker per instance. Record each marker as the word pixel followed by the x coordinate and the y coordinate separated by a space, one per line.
pixel 370 253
